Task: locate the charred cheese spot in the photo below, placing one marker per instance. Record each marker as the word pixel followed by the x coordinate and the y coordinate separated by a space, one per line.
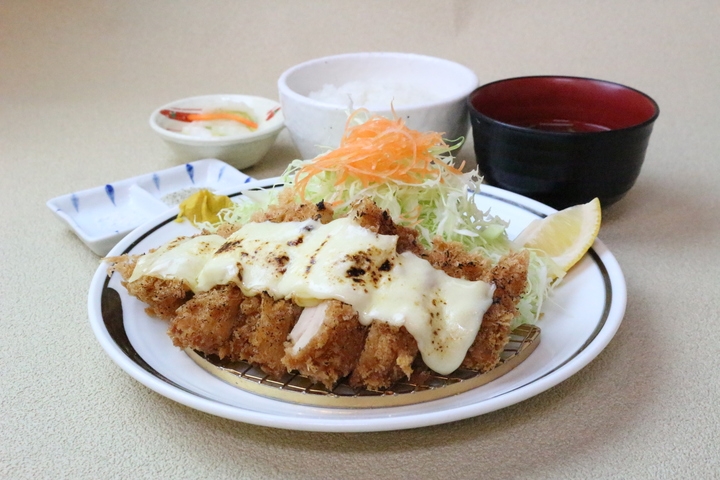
pixel 296 242
pixel 228 246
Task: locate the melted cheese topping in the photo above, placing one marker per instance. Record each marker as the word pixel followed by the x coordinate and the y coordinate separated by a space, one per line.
pixel 181 259
pixel 442 313
pixel 310 262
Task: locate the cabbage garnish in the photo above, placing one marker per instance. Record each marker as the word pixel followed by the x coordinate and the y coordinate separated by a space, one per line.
pixel 442 205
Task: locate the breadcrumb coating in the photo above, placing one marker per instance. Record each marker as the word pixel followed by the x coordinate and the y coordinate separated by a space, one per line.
pixel 368 215
pixel 163 296
pixel 269 333
pixel 510 279
pixel 286 210
pixel 387 357
pixel 206 321
pixel 333 352
pixel 454 260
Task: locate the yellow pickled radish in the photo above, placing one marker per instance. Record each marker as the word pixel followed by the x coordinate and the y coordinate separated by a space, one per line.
pixel 203 206
pixel 565 236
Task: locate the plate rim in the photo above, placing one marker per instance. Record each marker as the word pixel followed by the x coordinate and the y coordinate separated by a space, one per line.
pixel 602 335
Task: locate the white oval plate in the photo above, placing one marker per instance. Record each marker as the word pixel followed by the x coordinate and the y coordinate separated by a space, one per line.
pixel 580 319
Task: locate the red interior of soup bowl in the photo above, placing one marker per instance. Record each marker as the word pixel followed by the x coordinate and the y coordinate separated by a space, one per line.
pixel 564 104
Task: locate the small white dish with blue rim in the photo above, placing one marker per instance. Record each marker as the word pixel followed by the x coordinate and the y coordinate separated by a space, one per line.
pixel 102 216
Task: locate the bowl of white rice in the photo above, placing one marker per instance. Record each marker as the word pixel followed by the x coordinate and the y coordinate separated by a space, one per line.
pixel 428 93
pixel 237 129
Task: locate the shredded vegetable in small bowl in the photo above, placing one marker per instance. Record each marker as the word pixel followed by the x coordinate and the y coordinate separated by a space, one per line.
pixel 238 129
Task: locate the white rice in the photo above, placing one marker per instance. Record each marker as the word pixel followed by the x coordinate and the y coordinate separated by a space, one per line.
pixel 372 94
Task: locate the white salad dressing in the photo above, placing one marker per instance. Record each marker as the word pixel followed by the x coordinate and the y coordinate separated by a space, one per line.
pixel 310 262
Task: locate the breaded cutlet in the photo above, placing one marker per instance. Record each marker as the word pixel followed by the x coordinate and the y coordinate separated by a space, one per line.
pixel 510 279
pixel 238 346
pixel 268 335
pixel 387 356
pixel 368 215
pixel 286 210
pixel 206 321
pixel 163 296
pixel 456 262
pixel 263 323
pixel 333 352
pixel 224 322
pixel 256 329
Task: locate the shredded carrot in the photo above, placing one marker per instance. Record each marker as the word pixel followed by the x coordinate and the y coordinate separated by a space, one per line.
pixel 222 116
pixel 377 151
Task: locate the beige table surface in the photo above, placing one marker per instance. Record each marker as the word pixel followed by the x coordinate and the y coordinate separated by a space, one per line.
pixel 78 80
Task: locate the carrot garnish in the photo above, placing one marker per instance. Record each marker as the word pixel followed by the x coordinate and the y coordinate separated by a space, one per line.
pixel 377 151
pixel 193 117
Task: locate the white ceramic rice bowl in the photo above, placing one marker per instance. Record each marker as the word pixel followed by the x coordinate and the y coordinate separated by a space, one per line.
pixel 315 126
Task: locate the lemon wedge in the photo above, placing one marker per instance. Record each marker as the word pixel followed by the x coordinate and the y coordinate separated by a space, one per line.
pixel 566 235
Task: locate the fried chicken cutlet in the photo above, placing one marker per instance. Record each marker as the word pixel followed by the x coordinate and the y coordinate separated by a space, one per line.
pixel 261 330
pixel 162 295
pixel 510 279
